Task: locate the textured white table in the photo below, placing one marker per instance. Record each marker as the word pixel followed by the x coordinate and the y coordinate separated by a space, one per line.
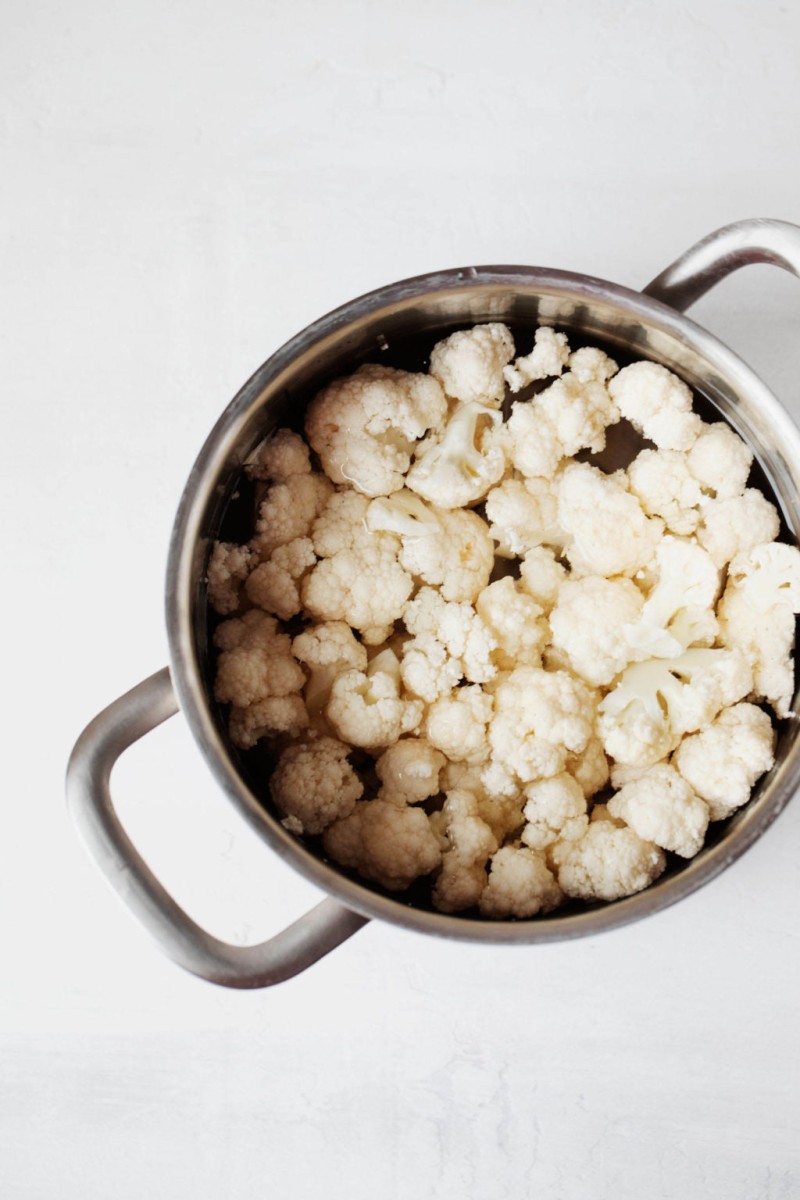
pixel 184 187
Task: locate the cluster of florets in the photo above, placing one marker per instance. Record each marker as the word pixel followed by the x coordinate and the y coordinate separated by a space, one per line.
pixel 482 660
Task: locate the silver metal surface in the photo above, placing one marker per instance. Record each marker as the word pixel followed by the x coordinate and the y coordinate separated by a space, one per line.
pixel 89 796
pixel 638 324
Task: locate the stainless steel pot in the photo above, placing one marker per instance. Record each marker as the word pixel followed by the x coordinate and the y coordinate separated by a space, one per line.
pixel 648 324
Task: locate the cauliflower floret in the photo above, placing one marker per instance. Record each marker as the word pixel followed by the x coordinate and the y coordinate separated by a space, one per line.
pixel 588 624
pixel 608 531
pixel 542 576
pixel 666 488
pixel 661 807
pixel 720 461
pixel 469 364
pixel 273 585
pixel 258 676
pixel 523 515
pixel 457 723
pixel 468 841
pixel 409 771
pixel 555 810
pixel 327 650
pixel 548 358
pixel 520 885
pixel 427 669
pixel 679 610
pixel 723 762
pixel 654 703
pixel 757 616
pixel 366 709
pixel 288 511
pixel 458 628
pixel 450 549
pixel 228 568
pixel 456 468
pixel 571 415
pixel 515 620
pixel 540 718
pixel 590 768
pixel 730 527
pixel 282 454
pixel 589 363
pixel 610 861
pixel 388 843
pixel 364 427
pixel 658 404
pixel 313 784
pixel 358 579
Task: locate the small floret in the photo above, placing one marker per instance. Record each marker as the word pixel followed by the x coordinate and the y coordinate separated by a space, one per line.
pixel 547 359
pixel 516 623
pixel 720 461
pixel 658 404
pixel 313 784
pixel 523 515
pixel 608 532
pixel 469 364
pixel 571 415
pixel 542 576
pixel 654 703
pixel 364 427
pixel 666 488
pixel 367 709
pixel 610 861
pixel 679 610
pixel 520 885
pixel 273 584
pixel 327 649
pixel 723 763
pixel 464 634
pixel 288 511
pixel 540 718
pixel 733 526
pixel 457 724
pixel 279 456
pixel 228 568
pixel 456 468
pixel 390 844
pixel 409 771
pixel 662 808
pixel 588 624
pixel 555 810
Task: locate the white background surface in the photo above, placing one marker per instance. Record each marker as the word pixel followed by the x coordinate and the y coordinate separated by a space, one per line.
pixel 185 186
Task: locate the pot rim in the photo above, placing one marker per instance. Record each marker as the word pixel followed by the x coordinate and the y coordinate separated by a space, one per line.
pixel 184 546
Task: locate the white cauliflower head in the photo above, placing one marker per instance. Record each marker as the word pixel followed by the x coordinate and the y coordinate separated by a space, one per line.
pixel 258 676
pixel 523 514
pixel 570 415
pixel 679 611
pixel 520 885
pixel 366 708
pixel 365 426
pixel 546 360
pixel 555 810
pixel 469 363
pixel 313 784
pixel 720 461
pixel 588 624
pixel 228 569
pixel 608 533
pixel 542 576
pixel 540 718
pixel 277 457
pixel 657 403
pixel 409 771
pixel 733 526
pixel 274 584
pixel 516 622
pixel 723 762
pixel 608 862
pixel 457 724
pixel 390 844
pixel 661 807
pixel 666 488
pixel 288 511
pixel 456 468
pixel 464 634
pixel 450 549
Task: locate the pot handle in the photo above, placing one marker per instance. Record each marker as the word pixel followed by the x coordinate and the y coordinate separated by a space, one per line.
pixel 758 240
pixel 89 797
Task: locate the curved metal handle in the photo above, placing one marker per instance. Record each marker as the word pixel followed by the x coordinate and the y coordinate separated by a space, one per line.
pixel 89 796
pixel 710 260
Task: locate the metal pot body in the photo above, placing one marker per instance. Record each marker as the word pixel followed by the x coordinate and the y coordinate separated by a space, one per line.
pixel 648 324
